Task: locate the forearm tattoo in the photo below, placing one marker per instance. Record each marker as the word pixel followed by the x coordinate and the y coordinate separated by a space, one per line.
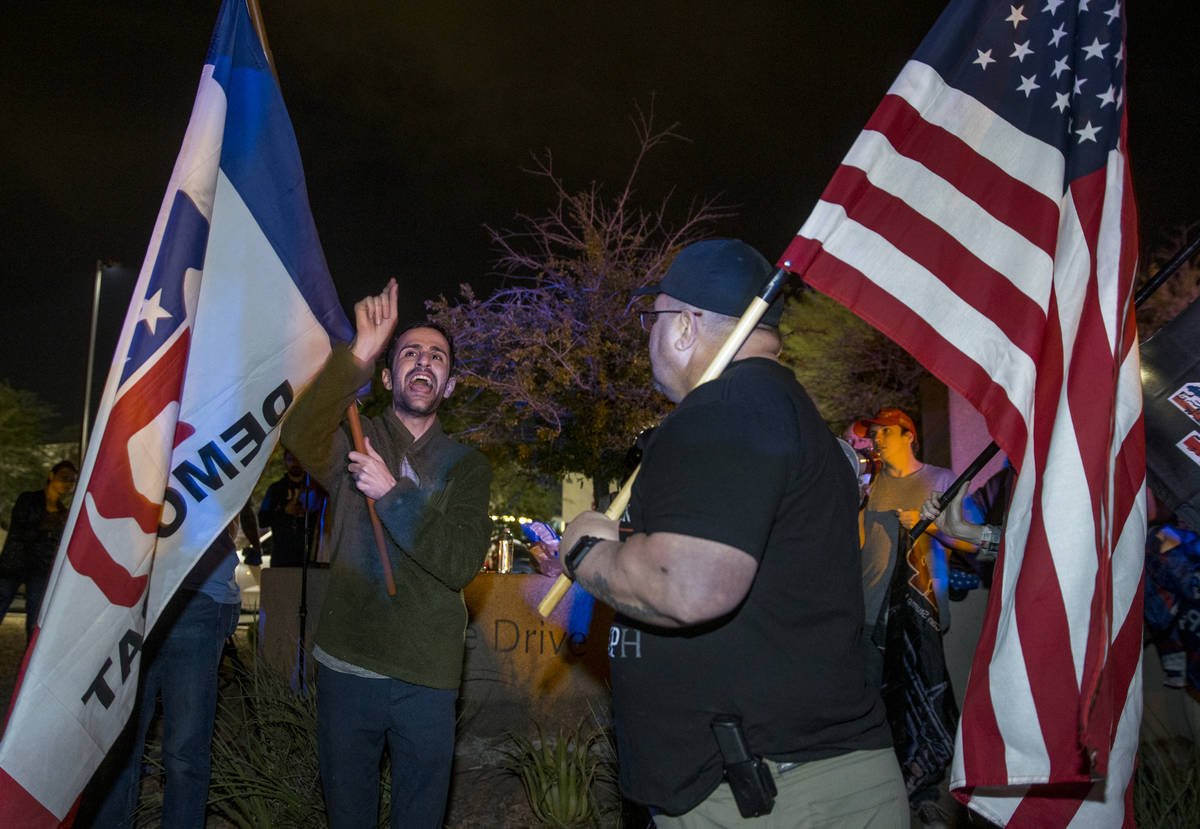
pixel 599 587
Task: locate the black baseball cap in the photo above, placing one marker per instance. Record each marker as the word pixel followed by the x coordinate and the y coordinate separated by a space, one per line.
pixel 720 275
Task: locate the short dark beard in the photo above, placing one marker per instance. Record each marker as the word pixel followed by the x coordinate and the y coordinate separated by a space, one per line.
pixel 402 406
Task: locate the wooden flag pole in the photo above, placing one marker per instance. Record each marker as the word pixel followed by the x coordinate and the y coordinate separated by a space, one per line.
pixel 352 412
pixel 260 28
pixel 724 356
pixel 360 445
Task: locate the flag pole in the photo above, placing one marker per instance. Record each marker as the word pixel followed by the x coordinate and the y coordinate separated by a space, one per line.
pixel 724 356
pixel 1167 271
pixel 352 412
pixel 260 29
pixel 360 446
pixel 1153 284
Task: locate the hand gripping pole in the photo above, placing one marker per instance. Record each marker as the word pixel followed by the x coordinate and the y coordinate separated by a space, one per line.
pixel 360 446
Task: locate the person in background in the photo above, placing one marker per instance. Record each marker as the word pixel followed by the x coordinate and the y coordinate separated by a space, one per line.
pixel 179 661
pixel 291 508
pixel 899 574
pixel 252 552
pixel 1172 607
pixel 38 520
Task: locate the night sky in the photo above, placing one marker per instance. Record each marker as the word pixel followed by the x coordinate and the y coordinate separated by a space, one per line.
pixel 415 119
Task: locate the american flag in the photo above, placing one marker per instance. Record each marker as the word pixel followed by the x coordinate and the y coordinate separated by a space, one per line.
pixel 232 315
pixel 984 219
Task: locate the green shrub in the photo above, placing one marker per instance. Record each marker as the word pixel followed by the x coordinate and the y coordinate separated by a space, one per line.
pixel 563 775
pixel 1166 788
pixel 264 754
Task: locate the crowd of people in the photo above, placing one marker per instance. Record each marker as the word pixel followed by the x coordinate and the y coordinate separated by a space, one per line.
pixel 776 656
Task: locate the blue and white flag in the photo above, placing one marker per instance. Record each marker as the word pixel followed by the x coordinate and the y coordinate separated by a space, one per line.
pixel 233 315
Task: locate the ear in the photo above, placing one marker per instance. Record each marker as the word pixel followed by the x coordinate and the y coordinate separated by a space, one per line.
pixel 450 384
pixel 685 331
pixel 386 377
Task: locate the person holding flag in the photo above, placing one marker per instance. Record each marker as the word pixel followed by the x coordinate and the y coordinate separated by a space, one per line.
pixel 901 573
pixel 738 654
pixel 198 388
pixel 984 219
pixel 390 665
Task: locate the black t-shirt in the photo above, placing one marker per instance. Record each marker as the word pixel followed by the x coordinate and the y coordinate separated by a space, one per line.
pixel 747 461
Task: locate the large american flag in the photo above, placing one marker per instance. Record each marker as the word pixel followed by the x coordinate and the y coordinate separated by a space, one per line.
pixel 984 219
pixel 232 315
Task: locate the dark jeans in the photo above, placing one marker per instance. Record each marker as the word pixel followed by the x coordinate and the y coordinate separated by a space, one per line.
pixel 355 718
pixel 35 588
pixel 180 660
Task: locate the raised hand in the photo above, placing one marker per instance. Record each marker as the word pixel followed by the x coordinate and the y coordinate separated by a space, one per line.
pixel 374 322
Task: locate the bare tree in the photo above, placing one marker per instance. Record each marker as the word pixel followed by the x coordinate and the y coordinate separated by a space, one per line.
pixel 554 362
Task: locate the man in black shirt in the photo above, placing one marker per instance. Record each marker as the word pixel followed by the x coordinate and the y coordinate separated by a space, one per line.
pixel 739 591
pixel 291 507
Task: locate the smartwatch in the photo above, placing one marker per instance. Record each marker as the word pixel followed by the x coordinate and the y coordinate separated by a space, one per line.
pixel 577 553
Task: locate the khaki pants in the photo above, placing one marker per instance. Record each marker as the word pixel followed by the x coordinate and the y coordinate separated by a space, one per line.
pixel 859 790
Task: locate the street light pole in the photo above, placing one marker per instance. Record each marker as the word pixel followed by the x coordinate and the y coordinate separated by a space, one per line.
pixel 91 359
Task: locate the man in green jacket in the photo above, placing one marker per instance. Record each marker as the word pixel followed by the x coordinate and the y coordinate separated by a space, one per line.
pixel 390 665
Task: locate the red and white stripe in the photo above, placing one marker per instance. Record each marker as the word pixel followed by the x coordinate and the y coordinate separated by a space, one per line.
pixel 951 231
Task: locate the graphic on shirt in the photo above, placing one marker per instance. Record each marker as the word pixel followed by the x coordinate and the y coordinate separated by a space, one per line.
pixel 1187 400
pixel 1190 446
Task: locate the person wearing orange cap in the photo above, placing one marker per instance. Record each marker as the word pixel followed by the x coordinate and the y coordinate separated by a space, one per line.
pixel 895 503
pixel 893 507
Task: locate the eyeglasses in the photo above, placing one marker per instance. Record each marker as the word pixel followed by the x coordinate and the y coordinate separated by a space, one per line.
pixel 653 315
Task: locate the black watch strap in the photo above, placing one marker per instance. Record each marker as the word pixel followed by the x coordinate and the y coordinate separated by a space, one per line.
pixel 577 553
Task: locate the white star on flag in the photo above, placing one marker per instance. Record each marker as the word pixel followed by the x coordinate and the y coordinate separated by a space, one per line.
pixel 152 311
pixel 1096 50
pixel 1088 133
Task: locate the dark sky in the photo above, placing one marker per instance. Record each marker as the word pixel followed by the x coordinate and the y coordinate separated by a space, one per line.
pixel 415 119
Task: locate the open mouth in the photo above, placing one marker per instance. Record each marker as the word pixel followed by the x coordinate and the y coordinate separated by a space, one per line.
pixel 421 383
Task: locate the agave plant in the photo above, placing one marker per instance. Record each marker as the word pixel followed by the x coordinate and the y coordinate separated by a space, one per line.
pixel 1166 790
pixel 264 754
pixel 560 775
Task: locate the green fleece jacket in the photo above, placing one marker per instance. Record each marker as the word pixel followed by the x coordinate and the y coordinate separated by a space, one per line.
pixel 437 534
